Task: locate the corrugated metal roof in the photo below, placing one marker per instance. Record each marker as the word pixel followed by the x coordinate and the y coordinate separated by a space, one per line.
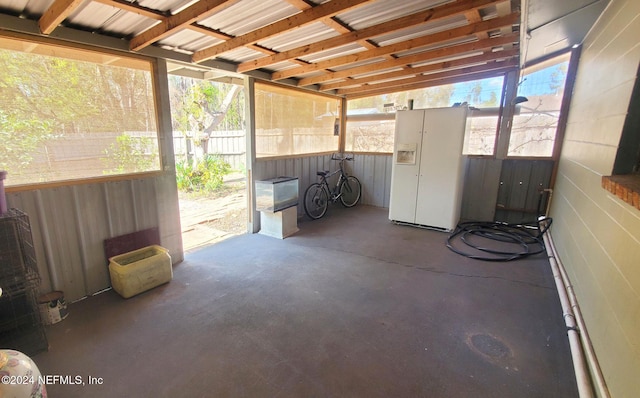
pixel 189 40
pixel 334 52
pixel 100 17
pixel 357 64
pixel 248 15
pixel 297 39
pixel 308 34
pixel 26 7
pixel 170 6
pixel 381 11
pixel 242 54
pixel 419 30
pixel 377 72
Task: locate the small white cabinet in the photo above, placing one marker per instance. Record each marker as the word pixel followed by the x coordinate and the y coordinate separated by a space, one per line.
pixel 428 169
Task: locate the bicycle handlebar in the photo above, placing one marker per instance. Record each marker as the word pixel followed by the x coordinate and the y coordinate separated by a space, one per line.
pixel 338 156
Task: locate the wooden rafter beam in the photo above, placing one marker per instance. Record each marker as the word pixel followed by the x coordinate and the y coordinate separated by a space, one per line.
pixel 56 13
pixel 491 66
pixel 340 27
pixel 223 36
pixel 179 21
pixel 449 51
pixel 134 8
pixel 305 17
pixel 426 16
pixel 154 14
pixel 472 15
pixel 299 4
pixel 487 57
pixel 220 35
pixel 434 81
pixel 444 36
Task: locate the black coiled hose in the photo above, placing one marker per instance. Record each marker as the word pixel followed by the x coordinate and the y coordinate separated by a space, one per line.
pixel 495 241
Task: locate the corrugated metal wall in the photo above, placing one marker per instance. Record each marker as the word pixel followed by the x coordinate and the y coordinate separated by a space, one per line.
pixel 480 192
pixel 373 171
pixel 69 225
pixel 520 196
pixel 505 190
pixel 488 182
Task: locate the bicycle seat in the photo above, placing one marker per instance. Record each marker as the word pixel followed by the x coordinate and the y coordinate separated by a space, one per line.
pixel 322 173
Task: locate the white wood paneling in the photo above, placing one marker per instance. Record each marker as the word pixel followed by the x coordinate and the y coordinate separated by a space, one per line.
pixel 596 234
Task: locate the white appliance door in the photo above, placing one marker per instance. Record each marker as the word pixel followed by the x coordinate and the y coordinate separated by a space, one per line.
pixel 406 166
pixel 441 167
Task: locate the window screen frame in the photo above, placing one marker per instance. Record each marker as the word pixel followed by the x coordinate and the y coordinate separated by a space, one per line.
pixel 265 83
pixel 98 52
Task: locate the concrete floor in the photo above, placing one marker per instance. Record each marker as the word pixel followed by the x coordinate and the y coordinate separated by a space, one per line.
pixel 350 306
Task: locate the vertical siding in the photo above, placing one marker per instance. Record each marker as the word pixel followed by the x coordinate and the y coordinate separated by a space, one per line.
pixel 373 171
pixel 597 235
pixel 481 182
pixel 520 199
pixel 69 225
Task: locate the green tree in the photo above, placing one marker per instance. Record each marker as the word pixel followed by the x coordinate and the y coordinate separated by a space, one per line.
pixel 43 98
pixel 438 96
pixel 131 155
pixel 199 107
pixel 32 110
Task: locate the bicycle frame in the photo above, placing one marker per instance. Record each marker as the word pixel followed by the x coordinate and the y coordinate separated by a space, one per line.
pixel 318 195
pixel 333 193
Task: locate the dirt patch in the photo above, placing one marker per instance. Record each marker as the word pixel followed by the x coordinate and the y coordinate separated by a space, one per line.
pixel 210 218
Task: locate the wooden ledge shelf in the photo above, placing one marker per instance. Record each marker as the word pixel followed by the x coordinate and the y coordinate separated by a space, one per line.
pixel 626 187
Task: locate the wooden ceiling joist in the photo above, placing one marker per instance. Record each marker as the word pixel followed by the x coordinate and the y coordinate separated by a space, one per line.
pixel 223 36
pixel 491 66
pixel 305 17
pixel 486 40
pixel 444 36
pixel 134 8
pixel 487 57
pixel 428 83
pixel 179 21
pixel 444 52
pixel 426 16
pixel 56 13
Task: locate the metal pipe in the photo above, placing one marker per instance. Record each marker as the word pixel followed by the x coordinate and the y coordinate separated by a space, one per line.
pixel 585 363
pixel 597 378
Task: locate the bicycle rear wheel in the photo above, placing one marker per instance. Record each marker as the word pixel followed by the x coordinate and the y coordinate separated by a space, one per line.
pixel 316 201
pixel 350 191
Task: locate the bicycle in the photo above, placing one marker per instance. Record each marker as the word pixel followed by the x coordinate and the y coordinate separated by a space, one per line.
pixel 318 195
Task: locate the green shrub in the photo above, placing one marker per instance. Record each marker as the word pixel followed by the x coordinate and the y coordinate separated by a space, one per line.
pixel 207 176
pixel 131 155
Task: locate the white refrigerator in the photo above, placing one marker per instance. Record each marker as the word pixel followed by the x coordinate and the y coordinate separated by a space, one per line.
pixel 428 167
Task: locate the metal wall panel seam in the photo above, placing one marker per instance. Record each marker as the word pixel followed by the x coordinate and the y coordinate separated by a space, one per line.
pixel 136 222
pixel 82 242
pixel 53 276
pixel 108 209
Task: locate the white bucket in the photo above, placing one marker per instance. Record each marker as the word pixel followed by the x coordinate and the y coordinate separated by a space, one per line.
pixel 52 307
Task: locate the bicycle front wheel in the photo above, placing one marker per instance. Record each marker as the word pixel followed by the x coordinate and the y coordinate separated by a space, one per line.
pixel 350 191
pixel 316 201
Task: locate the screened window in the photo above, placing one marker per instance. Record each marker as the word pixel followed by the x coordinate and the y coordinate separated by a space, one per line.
pixel 294 122
pixel 371 120
pixel 535 122
pixel 71 114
